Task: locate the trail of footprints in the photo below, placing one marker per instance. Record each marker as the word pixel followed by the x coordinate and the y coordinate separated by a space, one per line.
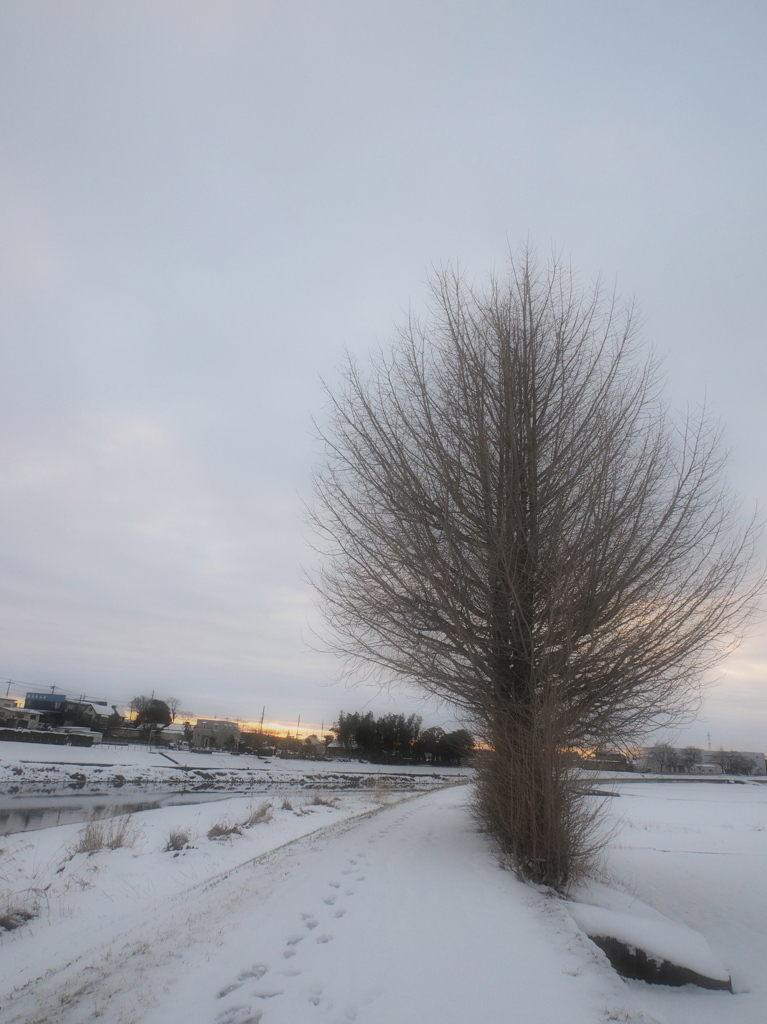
pixel 284 980
pixel 271 983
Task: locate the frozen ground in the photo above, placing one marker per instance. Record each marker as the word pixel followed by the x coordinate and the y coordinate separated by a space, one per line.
pixel 376 913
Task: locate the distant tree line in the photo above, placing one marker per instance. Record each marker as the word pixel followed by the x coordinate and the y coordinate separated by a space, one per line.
pixel 393 738
pixel 664 758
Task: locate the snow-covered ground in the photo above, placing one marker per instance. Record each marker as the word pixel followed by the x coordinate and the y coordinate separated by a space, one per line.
pixel 384 907
pixel 697 852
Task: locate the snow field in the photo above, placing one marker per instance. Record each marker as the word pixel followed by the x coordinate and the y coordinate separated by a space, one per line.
pixel 381 913
pixel 696 853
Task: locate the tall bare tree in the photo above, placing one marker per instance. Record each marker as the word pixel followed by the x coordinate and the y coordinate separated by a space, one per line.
pixel 508 516
pixel 174 704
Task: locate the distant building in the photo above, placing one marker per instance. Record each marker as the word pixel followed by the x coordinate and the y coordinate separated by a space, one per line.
pixel 87 714
pixel 214 732
pixel 314 745
pixel 57 711
pixel 50 705
pixel 13 717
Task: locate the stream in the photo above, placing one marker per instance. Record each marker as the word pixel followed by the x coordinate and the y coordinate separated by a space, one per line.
pixel 27 814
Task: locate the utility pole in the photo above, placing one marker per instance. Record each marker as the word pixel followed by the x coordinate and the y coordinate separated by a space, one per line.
pixel 261 727
pixel 708 737
pixel 298 726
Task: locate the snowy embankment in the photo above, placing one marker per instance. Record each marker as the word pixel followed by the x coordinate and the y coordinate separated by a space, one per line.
pixel 33 769
pixel 381 912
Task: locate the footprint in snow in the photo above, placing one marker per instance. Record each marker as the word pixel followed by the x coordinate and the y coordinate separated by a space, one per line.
pixel 312 923
pixel 334 885
pixel 313 993
pixel 340 912
pixel 293 940
pixel 229 988
pixel 289 953
pixel 330 900
pixel 324 938
pixel 257 971
pixel 242 1014
pixel 267 993
pixel 360 878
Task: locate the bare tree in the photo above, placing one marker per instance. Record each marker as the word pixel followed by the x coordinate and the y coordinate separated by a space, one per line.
pixel 150 711
pixel 691 757
pixel 139 704
pixel 508 516
pixel 173 706
pixel 661 757
pixel 654 757
pixel 732 762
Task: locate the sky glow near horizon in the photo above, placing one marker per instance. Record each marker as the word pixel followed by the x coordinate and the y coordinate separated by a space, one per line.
pixel 204 204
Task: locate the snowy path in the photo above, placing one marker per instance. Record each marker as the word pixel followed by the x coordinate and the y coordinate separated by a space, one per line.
pixel 397 916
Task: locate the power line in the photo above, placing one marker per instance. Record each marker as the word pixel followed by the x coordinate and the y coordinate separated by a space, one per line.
pixel 21 688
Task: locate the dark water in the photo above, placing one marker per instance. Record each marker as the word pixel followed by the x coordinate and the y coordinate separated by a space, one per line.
pixel 27 814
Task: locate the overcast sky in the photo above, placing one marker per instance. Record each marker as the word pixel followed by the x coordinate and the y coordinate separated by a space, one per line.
pixel 203 204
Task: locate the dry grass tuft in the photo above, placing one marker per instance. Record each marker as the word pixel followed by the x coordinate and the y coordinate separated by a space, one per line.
pixel 227 828
pixel 178 839
pixel 224 830
pixel 256 815
pixel 382 790
pixel 106 833
pixel 14 917
pixel 318 800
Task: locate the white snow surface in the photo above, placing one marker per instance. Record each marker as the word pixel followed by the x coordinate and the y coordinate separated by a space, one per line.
pixel 378 914
pixel 661 940
pixel 694 853
pixel 356 913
